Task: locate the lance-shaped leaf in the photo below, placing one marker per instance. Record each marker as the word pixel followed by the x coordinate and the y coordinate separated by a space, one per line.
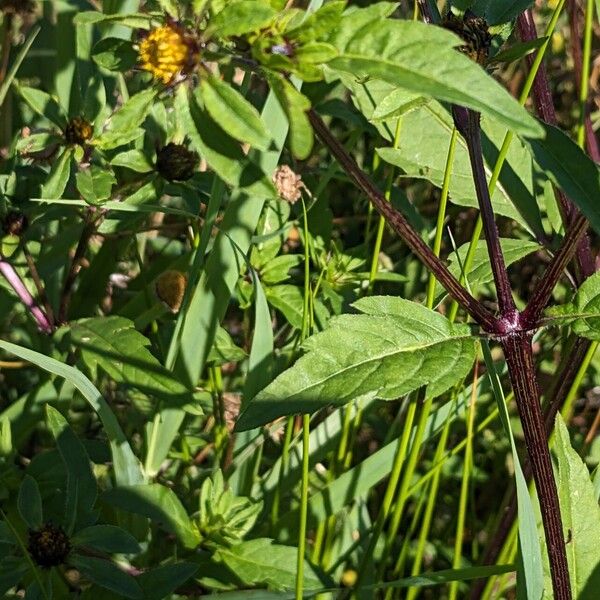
pixel 421 59
pixel 571 169
pixel 394 348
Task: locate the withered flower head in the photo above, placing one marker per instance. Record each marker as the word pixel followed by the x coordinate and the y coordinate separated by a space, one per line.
pixel 289 185
pixel 15 223
pixel 176 163
pixel 78 131
pixel 474 31
pixel 167 51
pixel 49 546
pixel 170 289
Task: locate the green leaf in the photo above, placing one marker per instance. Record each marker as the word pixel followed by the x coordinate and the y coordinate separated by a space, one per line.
pixel 113 344
pixel 262 562
pixel 107 575
pixel 397 103
pixel 159 504
pixel 396 347
pixel 224 349
pixel 289 300
pixel 422 59
pixel 295 104
pixel 12 569
pixel 135 160
pixel 29 503
pixel 106 538
pixel 161 582
pixel 124 124
pixel 126 466
pixel 579 509
pixel 231 111
pixel 500 11
pixel 95 184
pixel 58 178
pixel 135 21
pixel 570 169
pixel 43 104
pixel 81 483
pixel 114 54
pixel 519 50
pixel 584 310
pixel 240 17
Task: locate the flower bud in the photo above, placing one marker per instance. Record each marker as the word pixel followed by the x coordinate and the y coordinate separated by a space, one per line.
pixel 289 185
pixel 176 163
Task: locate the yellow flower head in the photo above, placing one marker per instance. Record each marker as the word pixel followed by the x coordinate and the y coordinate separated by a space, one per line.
pixel 164 52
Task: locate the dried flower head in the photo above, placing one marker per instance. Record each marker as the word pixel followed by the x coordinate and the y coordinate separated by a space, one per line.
pixel 474 31
pixel 166 51
pixel 17 7
pixel 170 288
pixel 49 546
pixel 15 223
pixel 78 131
pixel 175 162
pixel 289 185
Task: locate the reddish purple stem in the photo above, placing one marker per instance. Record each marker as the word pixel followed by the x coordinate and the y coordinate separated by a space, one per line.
pixel 9 273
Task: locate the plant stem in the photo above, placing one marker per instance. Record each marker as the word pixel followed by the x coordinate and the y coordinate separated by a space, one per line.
pixel 543 290
pixel 521 369
pixel 467 122
pixel 303 507
pixel 464 488
pixel 441 216
pixel 12 277
pixel 390 490
pixel 401 226
pixel 381 224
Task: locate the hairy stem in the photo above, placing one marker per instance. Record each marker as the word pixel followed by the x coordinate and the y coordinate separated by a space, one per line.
pixel 521 369
pixel 401 226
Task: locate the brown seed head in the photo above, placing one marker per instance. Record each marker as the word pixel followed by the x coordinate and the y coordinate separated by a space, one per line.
pixel 170 289
pixel 15 223
pixel 49 546
pixel 474 31
pixel 17 7
pixel 289 185
pixel 176 163
pixel 78 131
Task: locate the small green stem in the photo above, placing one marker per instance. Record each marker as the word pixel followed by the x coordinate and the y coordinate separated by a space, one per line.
pixel 585 363
pixel 464 493
pixel 303 507
pixel 439 229
pixel 585 71
pixel 390 491
pixel 285 461
pixel 381 224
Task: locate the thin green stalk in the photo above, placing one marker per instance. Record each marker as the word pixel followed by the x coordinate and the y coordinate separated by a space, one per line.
pixel 441 216
pixel 381 225
pixel 495 583
pixel 464 494
pixel 585 363
pixel 539 57
pixel 431 502
pixel 390 491
pixel 481 427
pixel 585 71
pixel 303 507
pixel 305 419
pixel 285 461
pixel 403 493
